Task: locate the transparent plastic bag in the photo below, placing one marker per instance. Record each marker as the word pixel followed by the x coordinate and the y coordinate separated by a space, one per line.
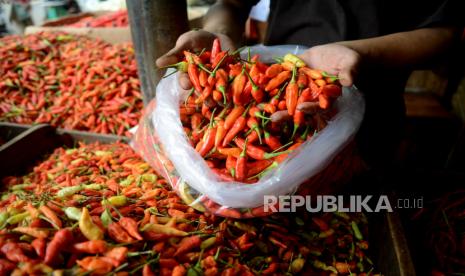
pixel 162 142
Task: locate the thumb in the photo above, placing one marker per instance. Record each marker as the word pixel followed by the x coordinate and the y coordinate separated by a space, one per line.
pixel 346 77
pixel 169 58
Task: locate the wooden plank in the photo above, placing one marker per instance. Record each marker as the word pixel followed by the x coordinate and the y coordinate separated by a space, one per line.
pixel 112 35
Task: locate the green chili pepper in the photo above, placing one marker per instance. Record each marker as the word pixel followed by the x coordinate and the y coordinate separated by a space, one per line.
pixel 3 219
pixel 356 230
pixel 20 186
pixel 127 181
pixel 17 218
pixel 106 217
pixel 73 213
pixel 68 191
pixel 87 226
pixel 208 243
pixel 297 265
pixel 93 186
pixel 117 201
pixel 149 177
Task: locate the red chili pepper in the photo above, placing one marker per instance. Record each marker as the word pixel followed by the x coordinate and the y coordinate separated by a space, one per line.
pixel 216 48
pixel 273 70
pixel 292 94
pixel 130 225
pixel 331 90
pixel 241 164
pixel 324 101
pixel 232 116
pixel 60 241
pixel 302 80
pixel 238 126
pixel 256 152
pixel 91 247
pixel 278 80
pixel 117 233
pixel 208 138
pixel 187 244
pixel 39 246
pixel 272 141
pixel 193 73
pixel 231 165
pixel 254 168
pixel 238 85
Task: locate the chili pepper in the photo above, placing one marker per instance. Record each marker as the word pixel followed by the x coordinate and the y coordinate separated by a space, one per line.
pixel 292 94
pixel 231 165
pixel 255 152
pixel 238 85
pixel 39 246
pixel 15 219
pixel 294 60
pixel 299 119
pixel 88 228
pixel 203 79
pixel 208 138
pixel 323 101
pixel 116 201
pixel 331 90
pixel 221 83
pixel 118 233
pixel 257 92
pixel 193 73
pixel 356 230
pixel 216 48
pixel 91 247
pixel 297 265
pixel 34 232
pixel 73 213
pixel 273 70
pixel 117 254
pixel 278 80
pixel 272 141
pixel 241 164
pixel 232 116
pixel 68 191
pixel 252 123
pixel 98 265
pixel 61 240
pixel 235 152
pixel 312 74
pixel 50 215
pixel 238 126
pixel 13 252
pixel 163 229
pixel 187 244
pixel 130 225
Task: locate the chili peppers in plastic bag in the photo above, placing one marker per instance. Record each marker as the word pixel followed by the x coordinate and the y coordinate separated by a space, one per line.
pixel 238 135
pixel 117 216
pixel 69 81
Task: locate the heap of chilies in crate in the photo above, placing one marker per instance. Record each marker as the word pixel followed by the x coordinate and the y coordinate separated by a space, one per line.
pixel 69 81
pixel 99 209
pixel 242 116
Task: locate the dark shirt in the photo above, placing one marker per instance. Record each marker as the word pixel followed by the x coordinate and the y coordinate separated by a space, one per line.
pixel 315 22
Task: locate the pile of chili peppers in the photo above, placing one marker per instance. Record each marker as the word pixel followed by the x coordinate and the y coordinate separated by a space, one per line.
pixel 69 81
pixel 112 19
pixel 242 115
pixel 445 232
pixel 100 210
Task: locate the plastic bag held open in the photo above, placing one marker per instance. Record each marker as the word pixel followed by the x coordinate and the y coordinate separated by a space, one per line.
pixel 161 140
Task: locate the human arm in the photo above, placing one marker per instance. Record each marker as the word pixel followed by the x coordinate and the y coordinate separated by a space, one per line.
pixel 397 51
pixel 225 20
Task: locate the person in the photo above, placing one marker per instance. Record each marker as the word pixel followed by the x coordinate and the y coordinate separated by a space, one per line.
pixel 371 43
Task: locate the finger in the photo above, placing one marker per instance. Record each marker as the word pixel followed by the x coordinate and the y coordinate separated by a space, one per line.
pixel 309 107
pixel 184 81
pixel 346 78
pixel 280 116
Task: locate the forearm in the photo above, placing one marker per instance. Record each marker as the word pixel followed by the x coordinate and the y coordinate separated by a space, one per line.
pixel 407 49
pixel 227 17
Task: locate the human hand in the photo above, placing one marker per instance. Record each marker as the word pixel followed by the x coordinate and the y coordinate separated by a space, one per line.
pixel 334 59
pixel 193 41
